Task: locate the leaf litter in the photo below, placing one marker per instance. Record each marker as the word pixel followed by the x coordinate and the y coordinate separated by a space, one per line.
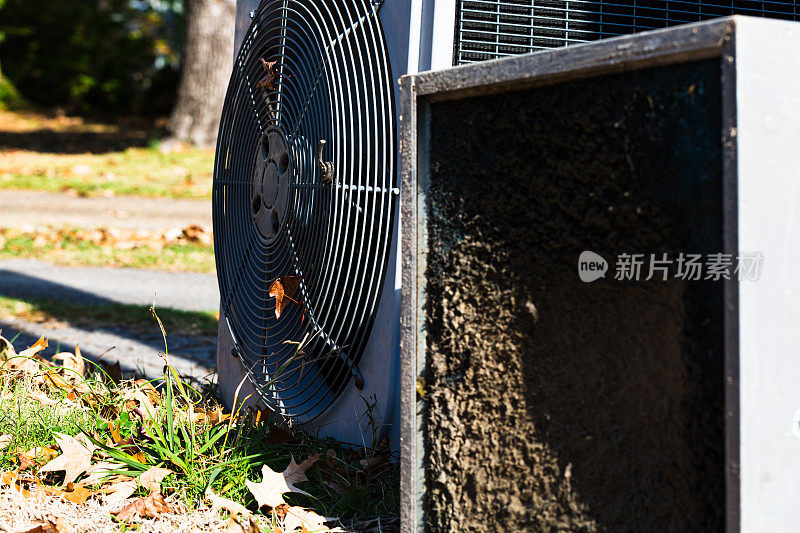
pixel 274 485
pixel 117 238
pixel 130 468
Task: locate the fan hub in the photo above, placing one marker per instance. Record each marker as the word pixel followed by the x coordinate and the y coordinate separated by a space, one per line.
pixel 272 170
pixel 269 185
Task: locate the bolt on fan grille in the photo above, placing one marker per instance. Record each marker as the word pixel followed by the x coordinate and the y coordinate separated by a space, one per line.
pixel 310 76
pixel 487 29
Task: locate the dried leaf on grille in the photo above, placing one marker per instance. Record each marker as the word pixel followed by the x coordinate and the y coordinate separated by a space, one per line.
pixel 283 289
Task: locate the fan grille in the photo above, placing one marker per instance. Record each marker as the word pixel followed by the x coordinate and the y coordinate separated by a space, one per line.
pixel 324 75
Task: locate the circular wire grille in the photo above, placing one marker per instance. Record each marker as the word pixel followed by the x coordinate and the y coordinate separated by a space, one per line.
pixel 308 71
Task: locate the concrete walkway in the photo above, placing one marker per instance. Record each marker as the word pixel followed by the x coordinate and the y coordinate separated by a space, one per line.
pixel 193 356
pixel 137 354
pixel 34 208
pixel 28 278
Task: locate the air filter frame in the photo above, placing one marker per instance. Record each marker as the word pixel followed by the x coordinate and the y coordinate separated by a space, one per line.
pixel 761 371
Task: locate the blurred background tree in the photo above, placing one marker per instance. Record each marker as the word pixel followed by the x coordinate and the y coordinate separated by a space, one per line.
pixel 206 71
pixel 88 57
pixel 9 97
pixel 118 58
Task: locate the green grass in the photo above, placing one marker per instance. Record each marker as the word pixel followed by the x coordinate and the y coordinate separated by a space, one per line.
pixel 30 423
pixel 369 495
pixel 220 455
pixel 135 171
pixel 72 251
pixel 133 317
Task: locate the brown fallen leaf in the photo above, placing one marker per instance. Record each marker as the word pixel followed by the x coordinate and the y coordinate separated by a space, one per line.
pixel 48 526
pixel 148 388
pixel 370 462
pixel 304 520
pixel 75 458
pixel 283 288
pixel 197 234
pixel 278 435
pixel 115 436
pixel 62 526
pixel 26 360
pixel 76 493
pixel 37 455
pixel 72 365
pixel 377 464
pixel 41 526
pixel 118 492
pixel 273 484
pixel 269 80
pixel 144 402
pixel 122 487
pixel 231 506
pixel 37 347
pixel 43 398
pixel 150 506
pixel 5 441
pixel 113 370
pixel 12 479
pixel 236 526
pixel 6 348
pixel 87 391
pixel 99 472
pixel 55 381
pixel 338 488
pixel 152 478
pixel 210 416
pixel 329 457
pixel 260 416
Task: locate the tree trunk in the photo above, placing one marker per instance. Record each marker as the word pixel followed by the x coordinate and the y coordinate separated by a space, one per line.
pixel 207 63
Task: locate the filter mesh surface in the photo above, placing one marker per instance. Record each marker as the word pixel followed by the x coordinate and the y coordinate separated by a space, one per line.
pixel 552 404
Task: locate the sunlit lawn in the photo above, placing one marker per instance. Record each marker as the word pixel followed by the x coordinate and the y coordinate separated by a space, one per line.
pixel 184 258
pixel 41 153
pixel 69 250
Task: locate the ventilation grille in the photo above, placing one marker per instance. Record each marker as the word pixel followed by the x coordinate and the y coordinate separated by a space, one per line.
pixel 489 29
pixel 311 77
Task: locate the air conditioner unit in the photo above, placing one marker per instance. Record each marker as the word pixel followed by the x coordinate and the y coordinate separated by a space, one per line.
pixel 306 200
pixel 306 191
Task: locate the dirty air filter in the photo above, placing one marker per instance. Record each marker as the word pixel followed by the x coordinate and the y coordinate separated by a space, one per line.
pixel 488 29
pixel 537 399
pixel 304 199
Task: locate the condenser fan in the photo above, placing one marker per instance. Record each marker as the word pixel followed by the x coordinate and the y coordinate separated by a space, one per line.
pixel 304 194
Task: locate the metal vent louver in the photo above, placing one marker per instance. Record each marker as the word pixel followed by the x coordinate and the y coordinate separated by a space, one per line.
pixel 487 29
pixel 308 71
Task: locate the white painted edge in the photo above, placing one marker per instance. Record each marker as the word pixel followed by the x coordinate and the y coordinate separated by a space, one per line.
pixel 768 137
